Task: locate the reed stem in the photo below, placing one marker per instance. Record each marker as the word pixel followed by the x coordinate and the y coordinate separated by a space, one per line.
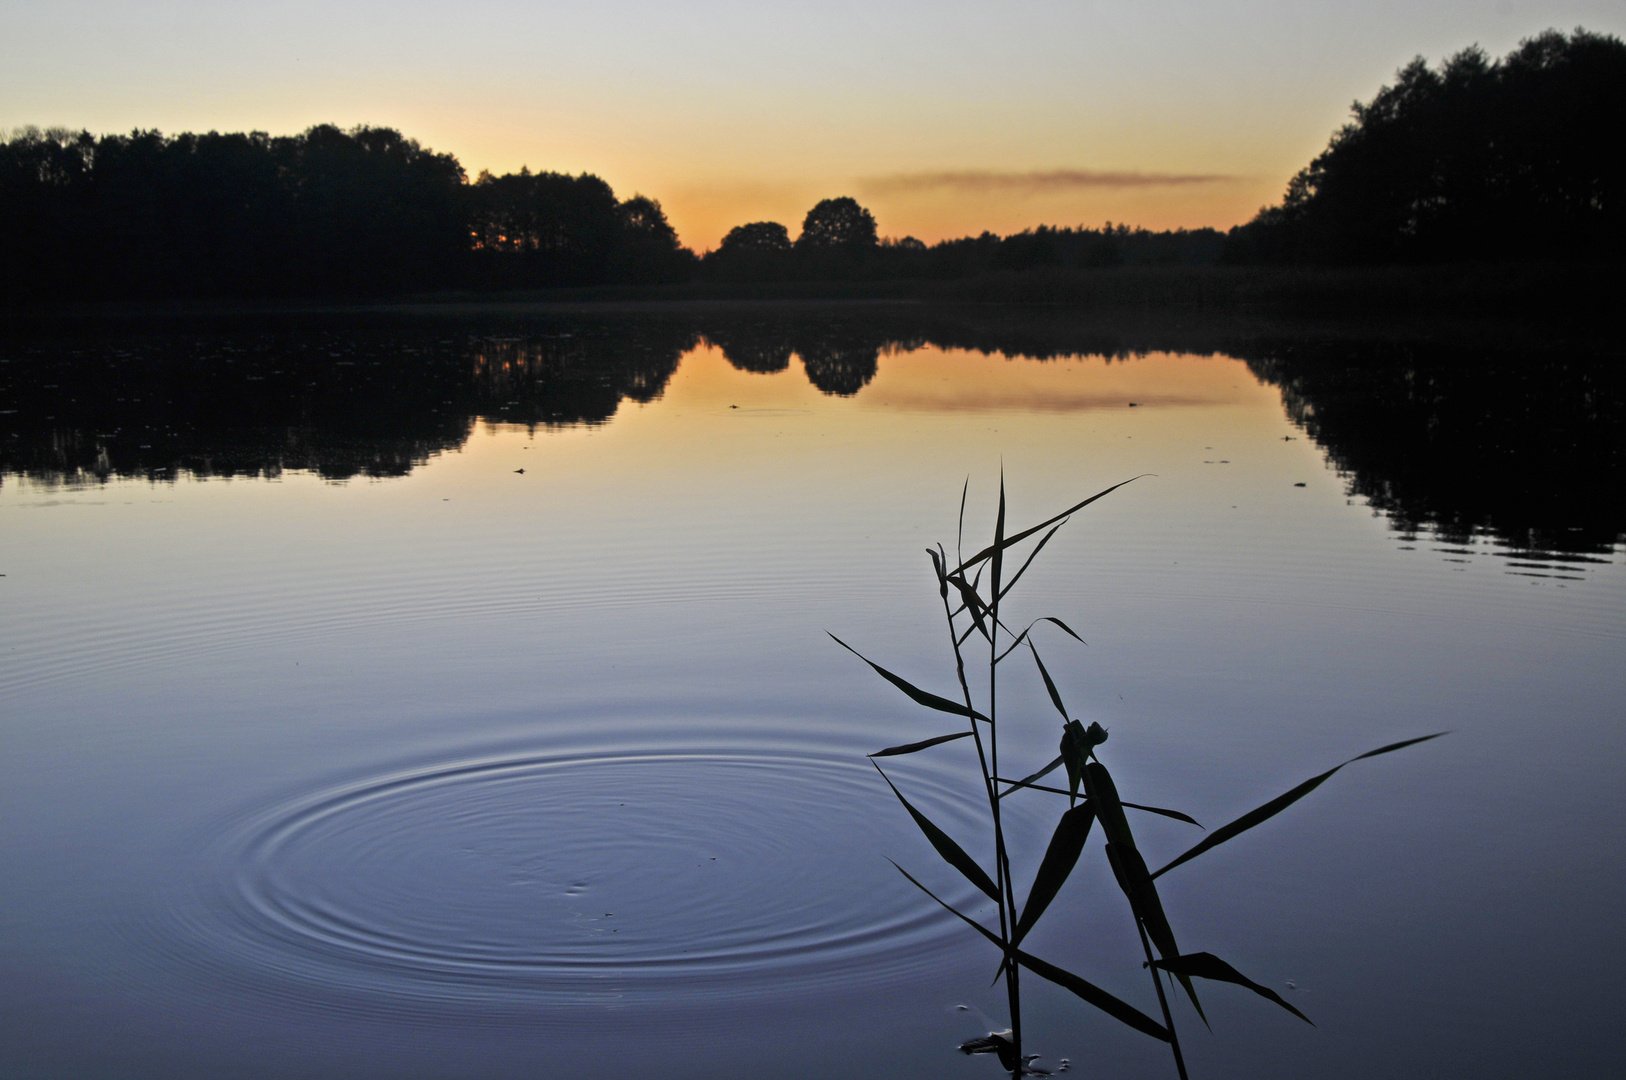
pixel 1168 1019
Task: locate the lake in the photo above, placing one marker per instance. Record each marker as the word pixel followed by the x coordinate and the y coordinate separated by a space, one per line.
pixel 447 692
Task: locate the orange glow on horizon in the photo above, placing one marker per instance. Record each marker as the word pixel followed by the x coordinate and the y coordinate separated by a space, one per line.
pixel 703 214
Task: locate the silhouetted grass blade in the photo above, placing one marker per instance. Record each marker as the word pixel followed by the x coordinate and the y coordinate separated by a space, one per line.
pixel 952 853
pixel 968 920
pixel 1281 802
pixel 1023 636
pixel 1049 684
pixel 1392 747
pixel 1175 814
pixel 1130 869
pixel 1059 859
pixel 1075 751
pixel 973 602
pixel 1112 1006
pixel 1204 965
pixel 1029 781
pixel 1017 785
pixel 1064 626
pixel 940 571
pixel 1000 543
pixel 997 563
pixel 1034 554
pixel 959 536
pixel 916 694
pixel 909 748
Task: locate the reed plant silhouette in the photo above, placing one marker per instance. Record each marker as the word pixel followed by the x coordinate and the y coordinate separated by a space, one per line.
pixel 973 592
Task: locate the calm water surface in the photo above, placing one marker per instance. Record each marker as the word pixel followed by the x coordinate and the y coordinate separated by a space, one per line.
pixel 445 698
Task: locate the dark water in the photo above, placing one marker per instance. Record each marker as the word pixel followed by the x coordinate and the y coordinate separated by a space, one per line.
pixel 337 745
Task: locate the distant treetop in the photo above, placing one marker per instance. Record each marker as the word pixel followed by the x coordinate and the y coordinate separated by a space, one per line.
pixel 757 236
pixel 837 225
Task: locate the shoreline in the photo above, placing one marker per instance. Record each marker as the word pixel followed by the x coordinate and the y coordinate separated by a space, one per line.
pixel 1571 294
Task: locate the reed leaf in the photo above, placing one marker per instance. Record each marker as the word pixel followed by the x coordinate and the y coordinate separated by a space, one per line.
pixel 1206 965
pixel 1077 744
pixel 1018 784
pixel 968 920
pixel 1029 781
pixel 1175 814
pixel 997 562
pixel 1002 542
pixel 1049 684
pixel 973 603
pixel 1059 859
pixel 1282 802
pixel 1034 554
pixel 1130 869
pixel 942 574
pixel 916 694
pixel 1112 1006
pixel 909 748
pixel 952 853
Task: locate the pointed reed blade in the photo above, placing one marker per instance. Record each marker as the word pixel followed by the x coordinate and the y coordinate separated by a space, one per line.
pixel 1049 684
pixel 1059 859
pixel 952 853
pixel 1206 965
pixel 1282 802
pixel 1033 778
pixel 1064 626
pixel 997 563
pixel 940 571
pixel 959 536
pixel 909 748
pixel 968 920
pixel 1130 869
pixel 1112 1006
pixel 915 693
pixel 988 552
pixel 973 603
pixel 1175 814
pixel 1034 554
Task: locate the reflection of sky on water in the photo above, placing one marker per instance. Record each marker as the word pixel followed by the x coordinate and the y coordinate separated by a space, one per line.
pixel 189 667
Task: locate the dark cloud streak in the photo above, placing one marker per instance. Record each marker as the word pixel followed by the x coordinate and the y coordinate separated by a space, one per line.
pixel 986 181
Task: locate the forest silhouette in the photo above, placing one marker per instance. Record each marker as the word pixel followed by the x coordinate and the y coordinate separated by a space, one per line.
pixel 1475 160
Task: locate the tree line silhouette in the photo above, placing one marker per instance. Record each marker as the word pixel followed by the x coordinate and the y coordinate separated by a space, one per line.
pixel 1515 159
pixel 1475 160
pixel 327 212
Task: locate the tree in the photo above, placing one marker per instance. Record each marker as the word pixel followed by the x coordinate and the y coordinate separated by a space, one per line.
pixel 759 236
pixel 760 251
pixel 837 225
pixel 649 248
pixel 1476 159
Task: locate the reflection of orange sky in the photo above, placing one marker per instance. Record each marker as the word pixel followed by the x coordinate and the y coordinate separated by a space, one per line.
pixel 717 431
pixel 956 380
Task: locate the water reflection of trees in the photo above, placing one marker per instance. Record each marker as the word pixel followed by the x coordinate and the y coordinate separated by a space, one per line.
pixel 1523 443
pixel 839 355
pixel 572 378
pixel 338 401
pixel 1526 444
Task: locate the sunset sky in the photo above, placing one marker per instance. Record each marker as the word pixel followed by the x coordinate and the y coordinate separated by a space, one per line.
pixel 945 118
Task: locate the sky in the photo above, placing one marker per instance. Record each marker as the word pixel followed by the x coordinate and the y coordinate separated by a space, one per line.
pixel 944 118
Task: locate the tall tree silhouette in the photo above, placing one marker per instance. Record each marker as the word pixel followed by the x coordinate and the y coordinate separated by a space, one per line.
pixel 648 249
pixel 1477 159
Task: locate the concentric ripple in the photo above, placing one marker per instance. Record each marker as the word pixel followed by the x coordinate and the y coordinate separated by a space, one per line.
pixel 576 875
